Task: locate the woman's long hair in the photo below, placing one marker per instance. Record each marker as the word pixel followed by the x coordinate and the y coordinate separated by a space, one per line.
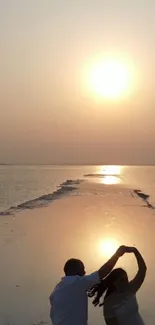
pixel 106 286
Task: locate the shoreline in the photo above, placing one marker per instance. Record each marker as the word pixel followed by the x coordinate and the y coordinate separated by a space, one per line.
pixel 68 187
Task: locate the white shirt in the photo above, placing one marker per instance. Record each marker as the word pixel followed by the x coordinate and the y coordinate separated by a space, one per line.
pixel 69 301
pixel 124 308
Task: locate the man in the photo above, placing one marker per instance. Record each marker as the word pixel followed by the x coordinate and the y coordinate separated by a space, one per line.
pixel 69 301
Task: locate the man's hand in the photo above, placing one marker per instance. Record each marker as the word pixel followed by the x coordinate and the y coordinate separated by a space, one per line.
pixel 121 250
pixel 108 266
pixel 131 249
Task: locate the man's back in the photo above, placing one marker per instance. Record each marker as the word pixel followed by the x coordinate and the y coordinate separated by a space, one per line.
pixel 69 302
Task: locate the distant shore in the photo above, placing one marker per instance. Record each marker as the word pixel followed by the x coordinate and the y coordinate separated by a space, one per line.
pixel 3 164
pixel 69 164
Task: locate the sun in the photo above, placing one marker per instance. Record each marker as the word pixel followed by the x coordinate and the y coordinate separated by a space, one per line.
pixel 110 78
pixel 108 247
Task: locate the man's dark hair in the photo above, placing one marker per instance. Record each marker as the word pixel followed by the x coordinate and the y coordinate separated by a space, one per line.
pixel 72 266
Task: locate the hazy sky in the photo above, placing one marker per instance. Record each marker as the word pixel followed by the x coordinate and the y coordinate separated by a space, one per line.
pixel 46 114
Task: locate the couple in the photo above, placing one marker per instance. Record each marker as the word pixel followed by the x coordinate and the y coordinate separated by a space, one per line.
pixel 69 300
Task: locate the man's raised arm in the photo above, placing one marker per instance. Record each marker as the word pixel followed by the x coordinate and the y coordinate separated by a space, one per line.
pixel 108 266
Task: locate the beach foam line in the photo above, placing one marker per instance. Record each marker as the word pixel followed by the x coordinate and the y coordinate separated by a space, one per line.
pixel 66 188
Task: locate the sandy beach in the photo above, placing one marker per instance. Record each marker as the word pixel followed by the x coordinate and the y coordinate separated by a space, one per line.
pixel 89 223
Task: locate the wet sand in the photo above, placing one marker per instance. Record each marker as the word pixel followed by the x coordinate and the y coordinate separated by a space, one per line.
pixel 88 224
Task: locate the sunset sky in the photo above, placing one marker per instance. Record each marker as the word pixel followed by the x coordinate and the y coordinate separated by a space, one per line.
pixel 47 112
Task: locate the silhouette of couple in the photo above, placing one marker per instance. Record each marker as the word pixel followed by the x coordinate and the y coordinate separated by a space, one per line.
pixel 69 300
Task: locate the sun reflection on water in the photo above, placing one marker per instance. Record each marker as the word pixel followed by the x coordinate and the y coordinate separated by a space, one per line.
pixel 109 180
pixel 110 170
pixel 110 174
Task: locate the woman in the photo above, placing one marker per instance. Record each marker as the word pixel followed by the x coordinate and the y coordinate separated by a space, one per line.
pixel 120 304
